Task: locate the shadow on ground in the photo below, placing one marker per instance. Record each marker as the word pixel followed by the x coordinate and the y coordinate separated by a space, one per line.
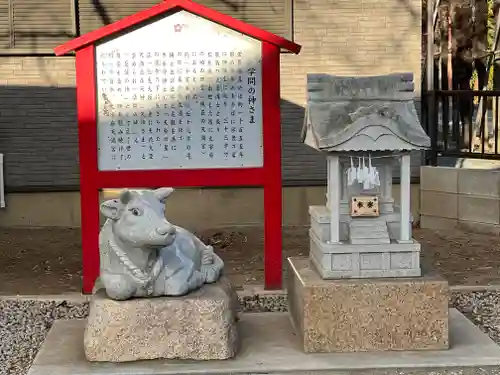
pixel 48 261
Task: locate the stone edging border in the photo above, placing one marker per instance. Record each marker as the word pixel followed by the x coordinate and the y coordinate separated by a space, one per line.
pixel 474 288
pixel 247 293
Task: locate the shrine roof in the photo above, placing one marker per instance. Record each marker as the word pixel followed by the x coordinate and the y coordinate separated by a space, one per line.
pixel 347 114
pixel 172 6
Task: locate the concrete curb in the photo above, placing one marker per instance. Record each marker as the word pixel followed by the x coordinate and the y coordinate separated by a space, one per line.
pixel 247 291
pixel 69 297
pixel 251 291
pixel 474 288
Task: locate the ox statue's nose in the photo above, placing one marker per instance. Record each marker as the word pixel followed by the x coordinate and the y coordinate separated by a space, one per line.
pixel 166 229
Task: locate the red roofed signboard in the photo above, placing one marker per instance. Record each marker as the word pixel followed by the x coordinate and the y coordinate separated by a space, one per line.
pixel 179 95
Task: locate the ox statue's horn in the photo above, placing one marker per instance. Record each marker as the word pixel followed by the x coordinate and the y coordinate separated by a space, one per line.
pixel 163 193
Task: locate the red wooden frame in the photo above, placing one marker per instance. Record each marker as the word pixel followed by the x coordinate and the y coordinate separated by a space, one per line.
pixel 268 176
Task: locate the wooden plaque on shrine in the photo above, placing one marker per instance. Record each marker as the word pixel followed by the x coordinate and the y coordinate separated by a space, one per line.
pixel 364 205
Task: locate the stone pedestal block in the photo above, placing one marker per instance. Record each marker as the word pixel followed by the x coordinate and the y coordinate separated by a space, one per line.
pixel 359 261
pixel 368 247
pixel 198 326
pixel 354 315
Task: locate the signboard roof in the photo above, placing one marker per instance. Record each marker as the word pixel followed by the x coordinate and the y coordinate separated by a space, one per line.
pixel 172 6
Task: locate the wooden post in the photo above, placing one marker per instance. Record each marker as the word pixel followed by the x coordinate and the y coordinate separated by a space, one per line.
pixel 273 200
pixel 334 196
pixel 345 185
pixel 89 192
pixel 328 184
pixel 432 125
pixel 387 179
pixel 405 226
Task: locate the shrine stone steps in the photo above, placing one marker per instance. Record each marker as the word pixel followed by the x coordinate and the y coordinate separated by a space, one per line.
pixel 364 231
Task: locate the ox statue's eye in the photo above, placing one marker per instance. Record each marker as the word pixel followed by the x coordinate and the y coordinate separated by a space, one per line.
pixel 135 211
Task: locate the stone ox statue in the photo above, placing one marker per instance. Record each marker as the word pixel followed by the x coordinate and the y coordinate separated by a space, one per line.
pixel 143 255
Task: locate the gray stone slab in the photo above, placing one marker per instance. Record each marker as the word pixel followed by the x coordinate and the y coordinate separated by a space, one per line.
pixel 441 179
pixel 269 346
pixel 479 209
pixel 362 232
pixel 479 182
pixel 361 261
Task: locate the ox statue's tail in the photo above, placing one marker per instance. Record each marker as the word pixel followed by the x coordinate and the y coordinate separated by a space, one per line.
pixel 211 265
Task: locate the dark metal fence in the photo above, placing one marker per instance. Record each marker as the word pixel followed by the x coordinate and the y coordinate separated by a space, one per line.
pixel 462 123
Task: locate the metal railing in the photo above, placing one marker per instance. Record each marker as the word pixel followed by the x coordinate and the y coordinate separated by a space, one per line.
pixel 459 126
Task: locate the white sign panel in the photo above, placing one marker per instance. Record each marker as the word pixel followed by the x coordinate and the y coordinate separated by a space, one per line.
pixel 182 92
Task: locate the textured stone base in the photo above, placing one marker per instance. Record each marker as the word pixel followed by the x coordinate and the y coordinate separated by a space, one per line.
pixel 354 315
pixel 345 260
pixel 200 326
pixel 268 346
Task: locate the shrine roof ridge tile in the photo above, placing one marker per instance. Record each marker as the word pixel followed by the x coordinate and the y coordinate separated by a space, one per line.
pixel 376 113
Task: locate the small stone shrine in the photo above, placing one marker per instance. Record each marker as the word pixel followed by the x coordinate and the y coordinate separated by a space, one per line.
pixel 364 125
pixel 143 255
pixel 364 265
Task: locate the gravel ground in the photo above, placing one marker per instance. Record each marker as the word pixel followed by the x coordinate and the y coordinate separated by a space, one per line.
pixel 23 326
pixel 24 323
pixel 48 261
pixel 482 308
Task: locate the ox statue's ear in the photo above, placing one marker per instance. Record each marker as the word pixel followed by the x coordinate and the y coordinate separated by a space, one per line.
pixel 163 193
pixel 125 196
pixel 111 209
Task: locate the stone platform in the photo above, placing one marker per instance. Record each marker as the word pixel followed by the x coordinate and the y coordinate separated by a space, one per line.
pixel 368 247
pixel 358 261
pixel 269 346
pixel 352 315
pixel 201 326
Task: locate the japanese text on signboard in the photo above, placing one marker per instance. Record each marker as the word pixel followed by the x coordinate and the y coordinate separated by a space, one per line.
pixel 187 105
